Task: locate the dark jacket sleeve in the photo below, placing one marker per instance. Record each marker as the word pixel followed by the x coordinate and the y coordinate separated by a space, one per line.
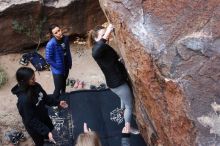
pixel 49 55
pixel 31 121
pixel 49 99
pixel 69 53
pixel 99 48
pixel 125 140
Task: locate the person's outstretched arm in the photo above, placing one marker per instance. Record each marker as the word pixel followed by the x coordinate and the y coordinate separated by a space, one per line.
pixel 52 101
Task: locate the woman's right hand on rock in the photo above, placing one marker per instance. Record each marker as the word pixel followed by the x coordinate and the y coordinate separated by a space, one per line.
pixel 110 28
pixel 108 31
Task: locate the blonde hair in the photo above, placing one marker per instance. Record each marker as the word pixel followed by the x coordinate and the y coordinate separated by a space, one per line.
pixel 93 34
pixel 88 139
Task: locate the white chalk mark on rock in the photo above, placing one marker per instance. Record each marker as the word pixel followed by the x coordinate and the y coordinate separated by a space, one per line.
pixel 212 120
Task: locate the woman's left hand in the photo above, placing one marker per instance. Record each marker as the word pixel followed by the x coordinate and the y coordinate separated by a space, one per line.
pixel 63 104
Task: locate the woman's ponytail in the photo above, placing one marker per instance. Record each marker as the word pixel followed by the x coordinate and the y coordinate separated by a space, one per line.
pixel 92 35
pixel 91 38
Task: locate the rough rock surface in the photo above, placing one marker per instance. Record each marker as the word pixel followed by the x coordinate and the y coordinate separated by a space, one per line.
pixel 172 52
pixel 75 16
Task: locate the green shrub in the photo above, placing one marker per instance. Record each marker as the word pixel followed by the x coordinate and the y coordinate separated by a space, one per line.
pixel 31 28
pixel 3 77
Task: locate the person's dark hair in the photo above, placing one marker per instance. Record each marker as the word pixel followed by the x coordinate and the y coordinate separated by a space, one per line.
pixel 51 27
pixel 92 35
pixel 23 76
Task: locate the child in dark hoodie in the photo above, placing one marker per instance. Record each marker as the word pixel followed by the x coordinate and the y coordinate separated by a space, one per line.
pixel 32 101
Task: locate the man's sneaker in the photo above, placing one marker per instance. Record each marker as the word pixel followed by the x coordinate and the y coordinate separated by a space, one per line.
pixel 134 131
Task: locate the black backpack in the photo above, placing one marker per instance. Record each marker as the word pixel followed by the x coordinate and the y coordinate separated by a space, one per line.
pixel 36 60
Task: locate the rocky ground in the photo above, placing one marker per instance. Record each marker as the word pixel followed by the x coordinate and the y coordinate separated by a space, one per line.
pixel 84 68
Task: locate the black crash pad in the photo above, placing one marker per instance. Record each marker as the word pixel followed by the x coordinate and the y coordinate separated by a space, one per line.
pixel 94 107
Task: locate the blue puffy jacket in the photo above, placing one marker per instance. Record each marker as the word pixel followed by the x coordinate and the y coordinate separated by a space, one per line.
pixel 55 57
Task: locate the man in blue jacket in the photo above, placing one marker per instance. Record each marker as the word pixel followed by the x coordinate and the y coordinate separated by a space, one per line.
pixel 59 57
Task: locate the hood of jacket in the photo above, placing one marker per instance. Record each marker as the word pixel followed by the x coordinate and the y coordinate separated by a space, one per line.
pixel 17 90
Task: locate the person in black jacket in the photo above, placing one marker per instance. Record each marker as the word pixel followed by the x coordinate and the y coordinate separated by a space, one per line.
pixel 113 70
pixel 31 104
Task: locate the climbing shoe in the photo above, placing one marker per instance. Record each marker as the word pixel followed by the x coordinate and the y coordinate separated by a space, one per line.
pixel 11 137
pixel 20 136
pixel 101 87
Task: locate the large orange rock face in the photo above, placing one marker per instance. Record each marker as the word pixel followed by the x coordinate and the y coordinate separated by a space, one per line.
pixel 76 17
pixel 172 52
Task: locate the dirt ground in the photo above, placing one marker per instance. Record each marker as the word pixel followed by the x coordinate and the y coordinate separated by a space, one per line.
pixel 84 68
